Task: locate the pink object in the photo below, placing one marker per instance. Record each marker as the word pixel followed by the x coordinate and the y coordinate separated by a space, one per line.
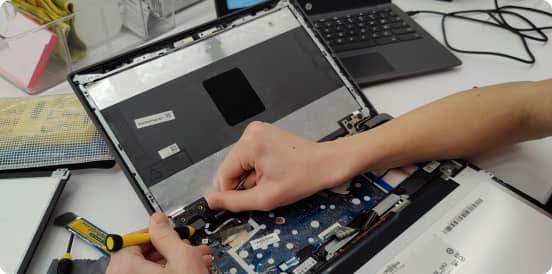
pixel 26 51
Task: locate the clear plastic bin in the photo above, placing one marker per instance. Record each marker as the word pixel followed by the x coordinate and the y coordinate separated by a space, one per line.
pixel 35 56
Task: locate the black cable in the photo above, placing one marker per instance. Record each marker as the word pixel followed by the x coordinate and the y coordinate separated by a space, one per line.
pixel 70 244
pixel 497 14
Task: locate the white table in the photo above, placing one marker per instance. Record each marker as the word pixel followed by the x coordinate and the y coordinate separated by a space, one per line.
pixel 106 198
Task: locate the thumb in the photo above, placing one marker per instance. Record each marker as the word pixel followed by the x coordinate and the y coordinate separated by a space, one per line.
pixel 238 200
pixel 163 237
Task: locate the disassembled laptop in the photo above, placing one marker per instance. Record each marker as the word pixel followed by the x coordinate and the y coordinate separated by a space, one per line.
pixel 320 233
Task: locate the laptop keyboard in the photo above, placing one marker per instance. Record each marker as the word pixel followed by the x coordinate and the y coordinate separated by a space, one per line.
pixel 365 29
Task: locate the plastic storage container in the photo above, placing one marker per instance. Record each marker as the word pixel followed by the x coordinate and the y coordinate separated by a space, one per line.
pixel 37 53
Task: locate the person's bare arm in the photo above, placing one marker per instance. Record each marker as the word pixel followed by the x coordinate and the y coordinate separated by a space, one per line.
pixel 460 125
pixel 285 168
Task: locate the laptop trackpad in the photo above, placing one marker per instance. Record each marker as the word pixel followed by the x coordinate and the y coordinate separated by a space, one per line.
pixel 367 65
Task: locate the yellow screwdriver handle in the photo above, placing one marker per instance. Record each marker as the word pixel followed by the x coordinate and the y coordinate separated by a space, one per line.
pixel 114 242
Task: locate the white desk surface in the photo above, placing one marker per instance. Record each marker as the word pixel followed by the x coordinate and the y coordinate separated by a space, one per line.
pixel 106 198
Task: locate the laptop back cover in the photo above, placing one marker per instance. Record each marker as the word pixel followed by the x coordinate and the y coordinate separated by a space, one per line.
pixel 172 109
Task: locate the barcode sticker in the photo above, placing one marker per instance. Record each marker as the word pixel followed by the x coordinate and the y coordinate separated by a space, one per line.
pixel 462 216
pixel 154 119
pixel 169 151
pixel 265 241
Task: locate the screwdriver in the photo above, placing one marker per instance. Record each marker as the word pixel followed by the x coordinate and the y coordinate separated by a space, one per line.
pixel 65 264
pixel 115 242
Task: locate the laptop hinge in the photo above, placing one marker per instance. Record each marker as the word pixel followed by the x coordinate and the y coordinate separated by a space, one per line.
pixel 361 120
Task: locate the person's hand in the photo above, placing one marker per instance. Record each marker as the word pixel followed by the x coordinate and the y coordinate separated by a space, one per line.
pixel 281 168
pixel 167 254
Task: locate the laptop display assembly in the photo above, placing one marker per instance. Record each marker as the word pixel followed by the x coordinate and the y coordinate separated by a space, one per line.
pixel 284 74
pixel 172 109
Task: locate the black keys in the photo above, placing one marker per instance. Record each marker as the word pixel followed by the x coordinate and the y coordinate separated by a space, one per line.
pixel 383 15
pixel 403 30
pixel 336 42
pixel 376 29
pixel 409 36
pixel 387 40
pixel 366 29
pixel 358 44
pixel 320 22
pixel 395 19
pixel 398 25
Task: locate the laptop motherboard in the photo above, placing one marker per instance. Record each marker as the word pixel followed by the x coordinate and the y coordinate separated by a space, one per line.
pixel 307 236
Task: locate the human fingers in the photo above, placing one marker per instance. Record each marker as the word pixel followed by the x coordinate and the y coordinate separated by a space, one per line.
pixel 242 157
pixel 260 197
pixel 163 237
pixel 208 260
pixel 131 260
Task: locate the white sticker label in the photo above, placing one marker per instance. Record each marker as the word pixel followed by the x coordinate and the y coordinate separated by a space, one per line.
pixel 436 257
pixel 305 266
pixel 265 241
pixel 462 215
pixel 154 119
pixel 431 166
pixel 169 151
